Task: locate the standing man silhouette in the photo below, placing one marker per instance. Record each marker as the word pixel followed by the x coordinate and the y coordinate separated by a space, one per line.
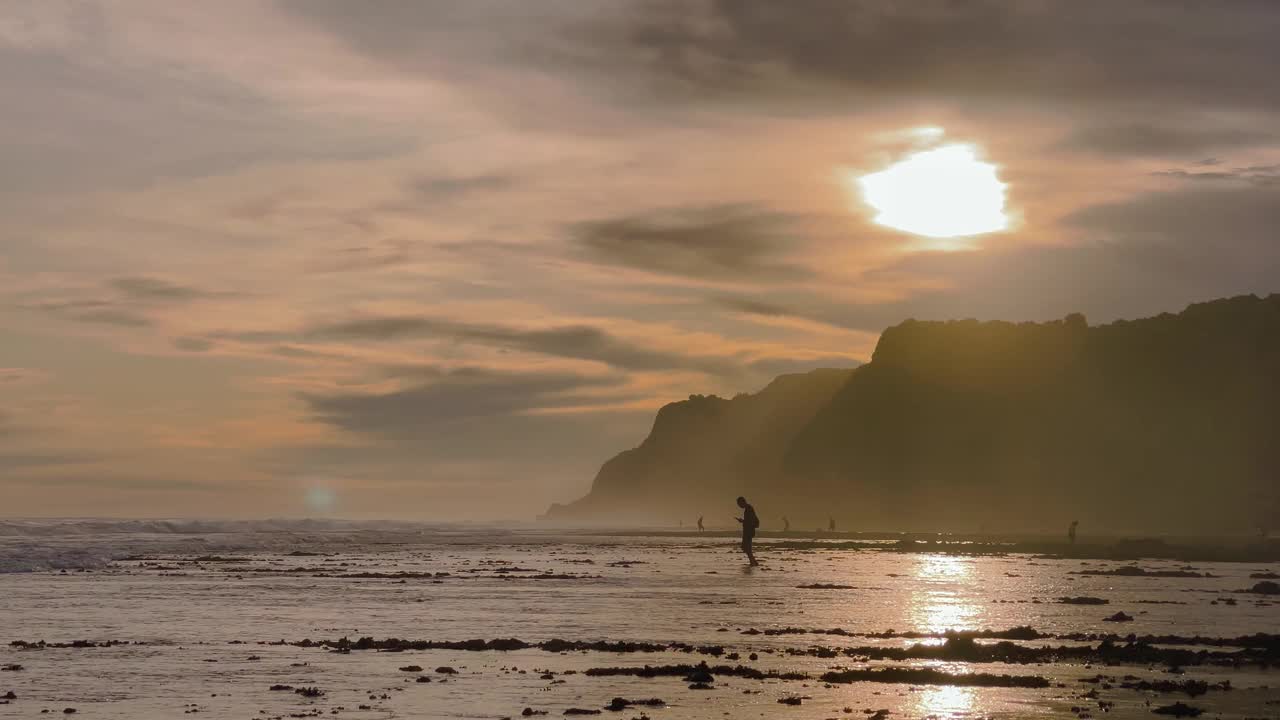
pixel 700 526
pixel 749 522
pixel 1071 532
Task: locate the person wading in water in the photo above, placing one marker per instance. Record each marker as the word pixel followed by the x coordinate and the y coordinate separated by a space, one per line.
pixel 749 522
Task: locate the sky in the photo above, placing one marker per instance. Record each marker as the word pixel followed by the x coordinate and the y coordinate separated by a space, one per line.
pixel 439 260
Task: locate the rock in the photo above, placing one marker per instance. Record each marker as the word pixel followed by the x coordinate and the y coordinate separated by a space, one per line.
pixel 1119 617
pixel 1190 687
pixel 1083 600
pixel 280 687
pixel 581 711
pixel 311 692
pixel 618 703
pixel 13 667
pixel 926 676
pixel 445 670
pixel 423 679
pixel 1178 709
pixel 825 586
pixel 530 712
pixel 700 674
pixel 1135 571
pixel 411 668
pixel 1266 587
pixel 789 700
pixel 9 696
pixel 700 686
pixel 68 711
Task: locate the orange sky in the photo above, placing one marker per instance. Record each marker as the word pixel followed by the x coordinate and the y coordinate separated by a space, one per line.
pixel 440 260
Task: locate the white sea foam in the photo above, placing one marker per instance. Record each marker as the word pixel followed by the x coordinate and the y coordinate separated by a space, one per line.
pixel 28 545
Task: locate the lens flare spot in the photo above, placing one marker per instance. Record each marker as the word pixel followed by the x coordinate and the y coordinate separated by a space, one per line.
pixel 321 499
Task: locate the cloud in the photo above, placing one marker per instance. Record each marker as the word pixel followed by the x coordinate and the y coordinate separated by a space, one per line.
pixel 360 258
pixel 548 184
pixel 1153 253
pixel 1237 220
pixel 32 460
pixel 1253 175
pixel 1154 139
pixel 112 316
pixel 505 440
pixel 1056 53
pixel 443 188
pixel 132 298
pixel 96 111
pixel 579 342
pixel 150 288
pixel 14 376
pixel 728 242
pixel 756 307
pixel 427 37
pixel 814 306
pixel 1212 236
pixel 456 396
pixel 72 305
pixel 193 344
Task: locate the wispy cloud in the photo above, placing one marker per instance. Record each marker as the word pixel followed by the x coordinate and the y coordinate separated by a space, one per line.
pixel 579 342
pixel 441 245
pixel 1054 54
pixel 451 396
pixel 1146 138
pixel 151 288
pixel 729 242
pixel 435 188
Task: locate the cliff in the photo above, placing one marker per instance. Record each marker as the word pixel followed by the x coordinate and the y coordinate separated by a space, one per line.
pixel 703 448
pixel 1169 423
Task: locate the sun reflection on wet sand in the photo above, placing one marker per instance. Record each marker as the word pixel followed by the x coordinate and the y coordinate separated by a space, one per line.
pixel 940 604
pixel 946 701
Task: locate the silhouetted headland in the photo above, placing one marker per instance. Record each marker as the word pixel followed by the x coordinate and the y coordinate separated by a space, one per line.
pixel 1164 425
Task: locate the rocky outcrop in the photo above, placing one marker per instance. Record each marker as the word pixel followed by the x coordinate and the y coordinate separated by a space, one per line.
pixel 1162 424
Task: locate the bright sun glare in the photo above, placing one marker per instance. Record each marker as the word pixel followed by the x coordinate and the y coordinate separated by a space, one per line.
pixel 945 192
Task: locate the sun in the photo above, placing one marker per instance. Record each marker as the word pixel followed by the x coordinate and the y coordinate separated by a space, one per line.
pixel 945 192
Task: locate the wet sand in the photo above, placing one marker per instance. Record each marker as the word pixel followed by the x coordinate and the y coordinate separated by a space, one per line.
pixel 663 627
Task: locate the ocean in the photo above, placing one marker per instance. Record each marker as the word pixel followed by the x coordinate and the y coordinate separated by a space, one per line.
pixel 156 619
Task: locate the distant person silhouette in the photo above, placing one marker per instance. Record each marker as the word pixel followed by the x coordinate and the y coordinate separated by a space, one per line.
pixel 749 522
pixel 786 524
pixel 1071 532
pixel 700 527
pixel 831 524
